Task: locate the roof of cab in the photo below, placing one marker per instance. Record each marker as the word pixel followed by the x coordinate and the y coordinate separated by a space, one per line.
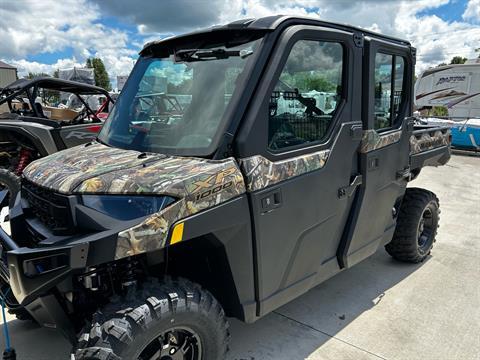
pixel 270 23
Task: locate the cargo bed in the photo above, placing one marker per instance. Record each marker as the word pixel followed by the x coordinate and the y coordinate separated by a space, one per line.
pixel 429 146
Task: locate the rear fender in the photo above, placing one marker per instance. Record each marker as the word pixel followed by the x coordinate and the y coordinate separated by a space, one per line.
pixel 45 145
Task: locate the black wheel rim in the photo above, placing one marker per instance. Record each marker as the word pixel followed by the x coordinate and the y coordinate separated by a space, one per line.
pixel 425 230
pixel 178 343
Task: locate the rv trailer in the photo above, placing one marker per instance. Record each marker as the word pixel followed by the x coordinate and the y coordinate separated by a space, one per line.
pixel 457 88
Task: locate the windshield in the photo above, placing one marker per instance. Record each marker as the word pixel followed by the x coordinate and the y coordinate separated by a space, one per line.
pixel 175 104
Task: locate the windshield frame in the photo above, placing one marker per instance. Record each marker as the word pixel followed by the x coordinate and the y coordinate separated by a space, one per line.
pixel 164 52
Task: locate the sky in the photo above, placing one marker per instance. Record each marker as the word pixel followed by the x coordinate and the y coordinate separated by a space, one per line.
pixel 45 35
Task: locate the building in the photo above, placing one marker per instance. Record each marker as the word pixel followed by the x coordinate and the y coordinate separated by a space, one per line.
pixel 121 80
pixel 8 74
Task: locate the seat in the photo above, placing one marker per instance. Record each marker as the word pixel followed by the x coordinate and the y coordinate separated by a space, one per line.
pixel 39 110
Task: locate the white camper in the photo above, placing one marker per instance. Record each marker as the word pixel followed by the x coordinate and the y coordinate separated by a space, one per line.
pixel 457 87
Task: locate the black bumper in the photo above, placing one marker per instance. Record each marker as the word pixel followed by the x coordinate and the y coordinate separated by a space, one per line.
pixel 36 268
pixel 40 272
pixel 37 288
pixel 36 292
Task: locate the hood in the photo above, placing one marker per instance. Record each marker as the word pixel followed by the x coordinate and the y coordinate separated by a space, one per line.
pixel 97 168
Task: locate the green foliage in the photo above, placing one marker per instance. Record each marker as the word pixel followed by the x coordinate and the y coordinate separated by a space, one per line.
pixel 32 75
pixel 307 81
pixel 101 76
pixel 49 97
pixel 320 84
pixel 439 111
pixel 458 60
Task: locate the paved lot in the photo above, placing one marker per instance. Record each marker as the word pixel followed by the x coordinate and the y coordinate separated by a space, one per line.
pixel 380 309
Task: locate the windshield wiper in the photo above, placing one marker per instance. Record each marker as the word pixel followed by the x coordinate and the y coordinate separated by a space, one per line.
pixel 209 54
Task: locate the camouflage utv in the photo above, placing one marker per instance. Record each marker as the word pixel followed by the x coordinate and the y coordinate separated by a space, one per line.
pixel 240 167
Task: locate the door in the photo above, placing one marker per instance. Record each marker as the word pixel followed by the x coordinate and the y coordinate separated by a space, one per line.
pixel 299 152
pixel 384 152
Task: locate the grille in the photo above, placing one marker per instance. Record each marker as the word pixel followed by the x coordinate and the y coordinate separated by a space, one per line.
pixel 51 208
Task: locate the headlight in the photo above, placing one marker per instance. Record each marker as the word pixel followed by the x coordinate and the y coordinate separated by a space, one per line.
pixel 126 207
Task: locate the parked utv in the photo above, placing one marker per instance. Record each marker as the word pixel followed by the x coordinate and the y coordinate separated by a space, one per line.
pixel 240 167
pixel 42 116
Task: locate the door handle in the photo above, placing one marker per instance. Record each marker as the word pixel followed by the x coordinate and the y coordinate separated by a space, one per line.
pixel 348 191
pixel 271 201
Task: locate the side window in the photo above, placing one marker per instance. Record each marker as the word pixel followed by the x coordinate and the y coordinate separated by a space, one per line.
pixel 389 73
pixel 306 96
pixel 398 88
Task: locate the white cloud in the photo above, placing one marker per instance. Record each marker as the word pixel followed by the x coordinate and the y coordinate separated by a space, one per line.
pixel 29 27
pixel 436 40
pixel 24 67
pixel 166 16
pixel 472 12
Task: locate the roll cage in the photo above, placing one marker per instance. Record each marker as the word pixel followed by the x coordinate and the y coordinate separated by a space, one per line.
pixel 15 90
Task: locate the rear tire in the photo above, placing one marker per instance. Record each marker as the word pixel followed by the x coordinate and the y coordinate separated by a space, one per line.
pixel 159 320
pixel 417 226
pixel 11 182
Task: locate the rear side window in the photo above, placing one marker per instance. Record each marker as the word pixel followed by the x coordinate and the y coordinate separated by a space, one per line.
pixel 306 96
pixel 389 87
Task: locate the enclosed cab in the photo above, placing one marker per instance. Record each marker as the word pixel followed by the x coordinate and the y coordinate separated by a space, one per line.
pixel 240 167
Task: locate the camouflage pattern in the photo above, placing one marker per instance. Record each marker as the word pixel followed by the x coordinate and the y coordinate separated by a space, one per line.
pixel 199 184
pixel 427 141
pixel 260 172
pixel 372 140
pixel 64 171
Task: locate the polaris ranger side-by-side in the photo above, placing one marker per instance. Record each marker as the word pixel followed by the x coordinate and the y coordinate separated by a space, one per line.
pixel 264 157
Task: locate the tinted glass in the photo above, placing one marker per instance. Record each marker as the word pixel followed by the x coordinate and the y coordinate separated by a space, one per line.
pixel 383 84
pixel 306 96
pixel 176 105
pixel 398 94
pixel 384 96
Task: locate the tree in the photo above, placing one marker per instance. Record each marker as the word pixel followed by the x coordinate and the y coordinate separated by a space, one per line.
pixel 49 97
pixel 32 75
pixel 100 73
pixel 439 111
pixel 458 60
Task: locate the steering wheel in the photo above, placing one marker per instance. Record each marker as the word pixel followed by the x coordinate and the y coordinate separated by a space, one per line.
pixel 82 115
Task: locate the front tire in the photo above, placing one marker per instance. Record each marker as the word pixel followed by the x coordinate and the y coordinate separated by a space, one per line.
pixel 175 320
pixel 417 226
